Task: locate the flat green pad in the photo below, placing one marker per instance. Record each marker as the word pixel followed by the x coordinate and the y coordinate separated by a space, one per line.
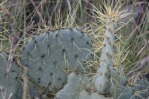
pixel 13 86
pixel 51 55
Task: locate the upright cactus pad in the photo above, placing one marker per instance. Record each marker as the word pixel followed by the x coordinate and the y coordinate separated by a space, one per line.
pixel 102 80
pixel 111 82
pixel 11 84
pixel 51 55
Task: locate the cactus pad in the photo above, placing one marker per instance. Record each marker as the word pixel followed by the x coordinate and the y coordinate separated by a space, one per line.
pixel 85 95
pixel 50 56
pixel 11 84
pixel 74 83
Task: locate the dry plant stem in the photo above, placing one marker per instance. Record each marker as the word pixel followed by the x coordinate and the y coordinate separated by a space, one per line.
pixel 25 81
pixel 36 8
pixel 57 4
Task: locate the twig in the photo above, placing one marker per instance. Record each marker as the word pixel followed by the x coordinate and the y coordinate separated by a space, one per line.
pixel 25 80
pixel 38 12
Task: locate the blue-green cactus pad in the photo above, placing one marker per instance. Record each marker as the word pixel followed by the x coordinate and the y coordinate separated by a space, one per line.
pixel 12 85
pixel 49 56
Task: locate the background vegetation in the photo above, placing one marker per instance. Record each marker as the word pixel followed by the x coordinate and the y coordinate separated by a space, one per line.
pixel 21 19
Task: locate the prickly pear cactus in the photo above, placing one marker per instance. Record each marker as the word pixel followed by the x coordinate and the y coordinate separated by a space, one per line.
pixel 74 84
pixel 141 88
pixel 92 95
pixel 51 55
pixel 11 84
pixel 109 81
